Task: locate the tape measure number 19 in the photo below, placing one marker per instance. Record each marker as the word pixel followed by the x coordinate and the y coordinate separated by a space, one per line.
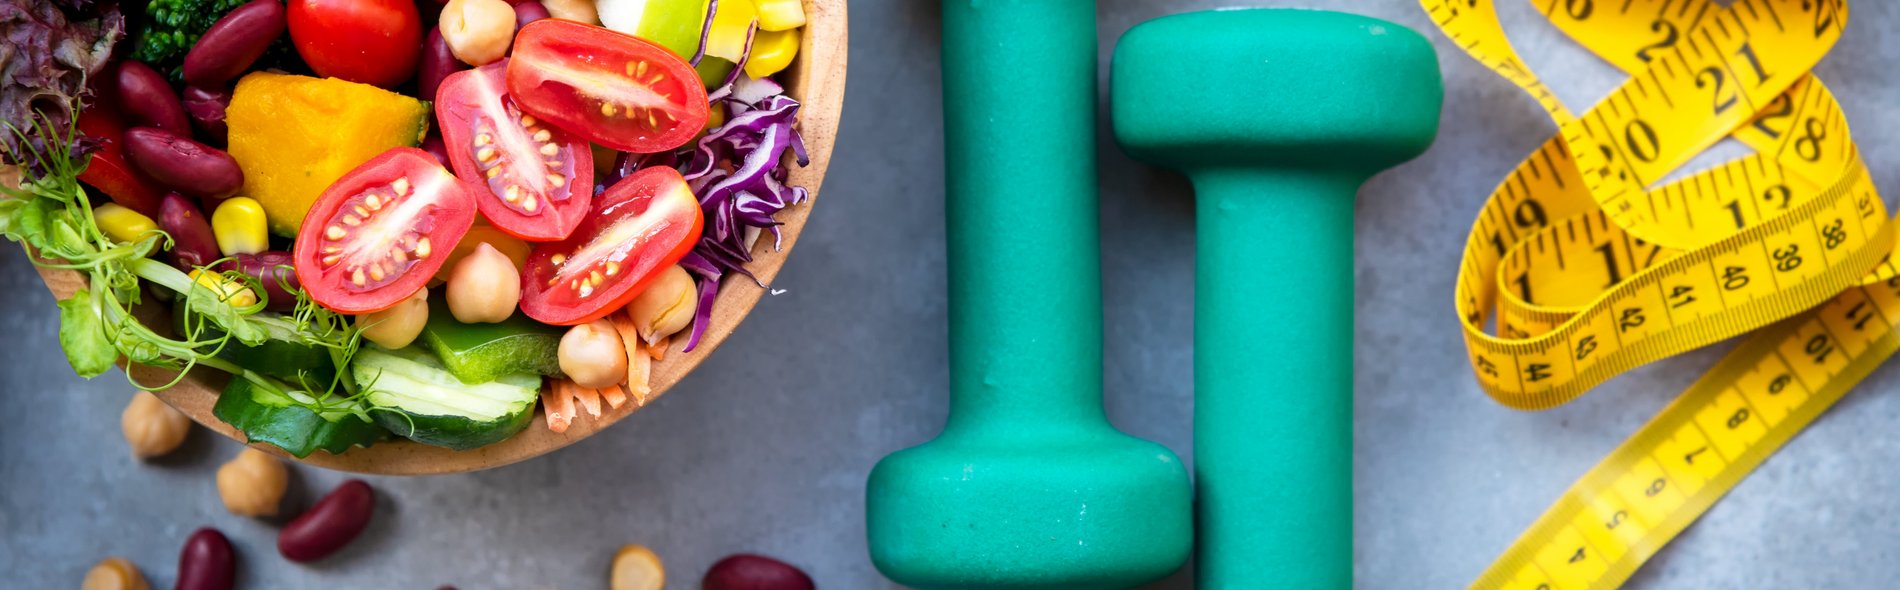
pixel 1588 272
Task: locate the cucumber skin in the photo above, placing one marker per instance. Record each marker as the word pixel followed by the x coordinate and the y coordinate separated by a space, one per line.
pixel 453 432
pixel 533 345
pixel 458 433
pixel 295 429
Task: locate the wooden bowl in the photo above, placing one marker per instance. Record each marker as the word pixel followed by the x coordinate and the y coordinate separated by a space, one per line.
pixel 816 79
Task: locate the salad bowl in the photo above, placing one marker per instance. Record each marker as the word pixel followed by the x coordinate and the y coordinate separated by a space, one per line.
pixel 816 79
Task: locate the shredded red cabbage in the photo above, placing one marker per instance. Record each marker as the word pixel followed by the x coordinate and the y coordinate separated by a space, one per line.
pixel 738 173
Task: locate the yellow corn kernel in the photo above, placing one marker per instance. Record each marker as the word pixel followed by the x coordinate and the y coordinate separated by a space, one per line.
pixel 122 224
pixel 771 52
pixel 781 15
pixel 240 227
pixel 227 289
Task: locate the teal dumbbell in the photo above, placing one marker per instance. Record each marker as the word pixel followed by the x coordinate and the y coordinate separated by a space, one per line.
pixel 1028 486
pixel 1277 116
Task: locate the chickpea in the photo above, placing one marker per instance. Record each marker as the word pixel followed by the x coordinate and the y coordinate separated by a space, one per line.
pixel 114 573
pixel 478 31
pixel 397 326
pixel 576 10
pixel 666 306
pixel 485 287
pixel 252 484
pixel 635 567
pixel 593 355
pixel 151 427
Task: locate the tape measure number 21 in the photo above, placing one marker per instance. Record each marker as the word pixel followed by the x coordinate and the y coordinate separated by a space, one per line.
pixel 1588 269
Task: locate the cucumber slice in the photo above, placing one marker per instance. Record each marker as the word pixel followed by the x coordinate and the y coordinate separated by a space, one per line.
pixel 268 417
pixel 479 353
pixel 432 406
pixel 282 356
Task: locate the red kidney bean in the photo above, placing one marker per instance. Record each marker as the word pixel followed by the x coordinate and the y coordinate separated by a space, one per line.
pixel 182 164
pixel 527 12
pixel 206 108
pixel 233 43
pixel 207 563
pixel 193 243
pixel 436 148
pixel 276 269
pixel 437 63
pixel 332 523
pixel 148 98
pixel 754 572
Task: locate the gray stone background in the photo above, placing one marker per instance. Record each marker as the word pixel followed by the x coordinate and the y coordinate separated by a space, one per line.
pixel 765 448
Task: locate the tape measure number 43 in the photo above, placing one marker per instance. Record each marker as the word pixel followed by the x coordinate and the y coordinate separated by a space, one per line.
pixel 1588 269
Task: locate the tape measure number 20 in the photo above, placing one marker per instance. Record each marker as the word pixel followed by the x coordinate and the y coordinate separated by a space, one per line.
pixel 1587 271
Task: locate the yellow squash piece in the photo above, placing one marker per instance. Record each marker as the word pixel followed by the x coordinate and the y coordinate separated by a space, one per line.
pixel 294 135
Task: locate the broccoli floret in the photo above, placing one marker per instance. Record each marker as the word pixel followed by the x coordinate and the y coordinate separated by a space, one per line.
pixel 169 28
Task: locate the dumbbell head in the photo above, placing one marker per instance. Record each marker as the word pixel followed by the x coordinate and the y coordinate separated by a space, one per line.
pixel 1092 508
pixel 1274 87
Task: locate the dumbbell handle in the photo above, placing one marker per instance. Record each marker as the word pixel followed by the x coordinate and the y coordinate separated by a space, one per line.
pixel 1025 276
pixel 1273 330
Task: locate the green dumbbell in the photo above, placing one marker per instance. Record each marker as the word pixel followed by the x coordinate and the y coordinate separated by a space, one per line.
pixel 1277 116
pixel 1028 486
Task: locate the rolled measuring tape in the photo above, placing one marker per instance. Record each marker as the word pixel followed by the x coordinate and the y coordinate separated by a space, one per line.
pixel 1587 268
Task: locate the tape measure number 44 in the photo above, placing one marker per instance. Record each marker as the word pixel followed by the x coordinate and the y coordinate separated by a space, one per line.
pixel 1587 269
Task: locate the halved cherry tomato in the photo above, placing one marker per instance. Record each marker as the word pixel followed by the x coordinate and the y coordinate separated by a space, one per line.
pixel 377 235
pixel 610 88
pixel 108 171
pixel 639 227
pixel 529 178
pixel 376 42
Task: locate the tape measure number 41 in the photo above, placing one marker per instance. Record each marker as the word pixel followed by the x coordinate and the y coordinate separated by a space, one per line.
pixel 1588 269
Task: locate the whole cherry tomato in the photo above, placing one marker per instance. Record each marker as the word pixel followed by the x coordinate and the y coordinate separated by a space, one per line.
pixel 375 42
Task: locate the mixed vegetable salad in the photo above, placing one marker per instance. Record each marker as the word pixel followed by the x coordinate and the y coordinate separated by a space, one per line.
pixel 396 217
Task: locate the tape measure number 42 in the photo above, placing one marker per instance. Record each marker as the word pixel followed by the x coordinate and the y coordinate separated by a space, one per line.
pixel 1588 269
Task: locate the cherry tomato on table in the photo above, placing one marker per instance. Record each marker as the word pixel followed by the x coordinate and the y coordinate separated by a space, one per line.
pixel 376 236
pixel 608 87
pixel 375 42
pixel 640 226
pixel 529 178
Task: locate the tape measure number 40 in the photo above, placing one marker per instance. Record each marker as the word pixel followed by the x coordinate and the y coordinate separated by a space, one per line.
pixel 1587 269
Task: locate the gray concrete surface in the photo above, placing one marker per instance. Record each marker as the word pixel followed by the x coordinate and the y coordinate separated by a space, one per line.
pixel 765 448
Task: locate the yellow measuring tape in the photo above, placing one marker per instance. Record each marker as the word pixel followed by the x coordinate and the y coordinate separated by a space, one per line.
pixel 1588 269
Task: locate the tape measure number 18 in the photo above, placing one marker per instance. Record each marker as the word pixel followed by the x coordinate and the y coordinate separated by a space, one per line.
pixel 1587 271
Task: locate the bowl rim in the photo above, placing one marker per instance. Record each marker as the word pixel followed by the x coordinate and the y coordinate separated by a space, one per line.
pixel 817 80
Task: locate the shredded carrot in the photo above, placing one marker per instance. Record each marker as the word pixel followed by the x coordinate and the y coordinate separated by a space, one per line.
pixel 616 396
pixel 639 371
pixel 657 349
pixel 589 398
pixel 558 402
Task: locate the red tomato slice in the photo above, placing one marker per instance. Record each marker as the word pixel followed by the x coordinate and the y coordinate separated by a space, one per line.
pixel 610 88
pixel 639 226
pixel 107 170
pixel 529 179
pixel 376 236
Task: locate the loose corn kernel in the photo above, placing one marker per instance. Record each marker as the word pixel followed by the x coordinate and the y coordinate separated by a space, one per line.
pixel 240 227
pixel 227 289
pixel 122 224
pixel 781 15
pixel 771 52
